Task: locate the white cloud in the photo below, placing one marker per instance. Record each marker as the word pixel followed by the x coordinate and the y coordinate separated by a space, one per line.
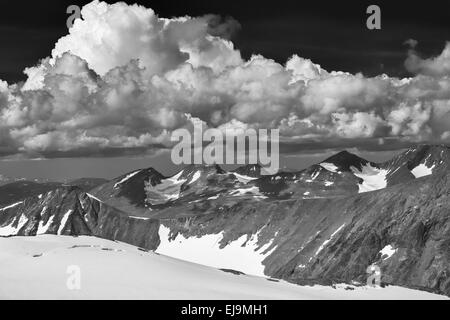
pixel 436 66
pixel 125 78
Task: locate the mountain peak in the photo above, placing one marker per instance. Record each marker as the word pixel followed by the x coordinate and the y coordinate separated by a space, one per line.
pixel 344 154
pixel 344 160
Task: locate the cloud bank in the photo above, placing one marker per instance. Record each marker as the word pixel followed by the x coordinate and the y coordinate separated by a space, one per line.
pixel 124 79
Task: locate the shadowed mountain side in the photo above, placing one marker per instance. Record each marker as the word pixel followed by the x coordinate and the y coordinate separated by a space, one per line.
pixel 70 211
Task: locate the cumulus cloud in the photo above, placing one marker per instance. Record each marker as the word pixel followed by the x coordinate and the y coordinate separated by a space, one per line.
pixel 125 79
pixel 436 66
pixel 109 36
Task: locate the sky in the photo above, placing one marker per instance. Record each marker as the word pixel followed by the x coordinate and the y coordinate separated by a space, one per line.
pixel 331 33
pixel 125 77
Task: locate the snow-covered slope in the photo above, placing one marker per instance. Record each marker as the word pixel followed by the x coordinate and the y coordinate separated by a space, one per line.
pixel 243 254
pixel 373 178
pixel 422 170
pixel 42 267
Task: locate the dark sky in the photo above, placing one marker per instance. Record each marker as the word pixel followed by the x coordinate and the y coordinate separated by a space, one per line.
pixel 331 33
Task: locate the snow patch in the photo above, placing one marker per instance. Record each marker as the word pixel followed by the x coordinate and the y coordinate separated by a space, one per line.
pixel 373 178
pixel 93 197
pixel 242 254
pixel 242 178
pixel 139 218
pixel 43 228
pixel 329 166
pixel 195 177
pixel 10 230
pixel 328 240
pixel 11 206
pixel 315 175
pixel 129 176
pixel 246 191
pixel 63 222
pixel 422 170
pixel 388 251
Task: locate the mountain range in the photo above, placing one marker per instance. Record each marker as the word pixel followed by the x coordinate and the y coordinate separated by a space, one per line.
pixel 322 225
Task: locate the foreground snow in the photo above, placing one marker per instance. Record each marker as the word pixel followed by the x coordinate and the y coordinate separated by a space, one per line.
pixel 37 268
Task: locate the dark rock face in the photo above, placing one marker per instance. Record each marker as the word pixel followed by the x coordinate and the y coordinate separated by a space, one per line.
pixel 127 192
pixel 69 211
pixel 345 161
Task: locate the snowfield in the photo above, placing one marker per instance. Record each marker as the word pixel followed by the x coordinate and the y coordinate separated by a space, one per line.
pixel 373 178
pixel 242 254
pixel 422 171
pixel 128 177
pixel 42 267
pixel 243 179
pixel 329 166
pixel 387 252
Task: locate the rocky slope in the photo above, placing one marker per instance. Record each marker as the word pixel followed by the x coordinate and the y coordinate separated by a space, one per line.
pixel 127 192
pixel 70 211
pixel 319 225
pixel 416 162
